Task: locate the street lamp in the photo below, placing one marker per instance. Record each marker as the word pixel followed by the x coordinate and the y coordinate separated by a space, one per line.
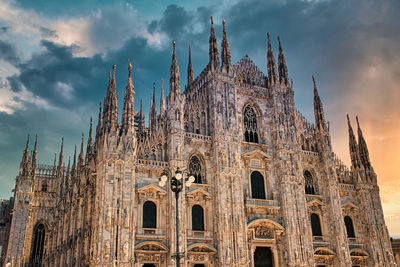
pixel 176 187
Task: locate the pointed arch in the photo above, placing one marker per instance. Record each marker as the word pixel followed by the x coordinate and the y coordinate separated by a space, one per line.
pixel 197 218
pixel 149 215
pixel 316 225
pixel 196 167
pixel 251 122
pixel 348 222
pixel 257 185
pixel 38 242
pixel 310 184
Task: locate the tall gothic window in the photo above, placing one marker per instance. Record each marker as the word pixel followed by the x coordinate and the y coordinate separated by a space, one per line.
pixel 149 215
pixel 197 218
pixel 39 234
pixel 250 125
pixel 257 185
pixel 316 225
pixel 310 187
pixel 44 187
pixel 349 227
pixel 195 169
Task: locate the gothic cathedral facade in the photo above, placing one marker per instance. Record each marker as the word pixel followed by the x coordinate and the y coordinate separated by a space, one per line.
pixel 268 189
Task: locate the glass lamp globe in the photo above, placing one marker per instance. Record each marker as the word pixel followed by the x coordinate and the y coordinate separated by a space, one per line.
pixel 164 178
pixel 161 183
pixel 178 176
pixel 191 178
pixel 188 183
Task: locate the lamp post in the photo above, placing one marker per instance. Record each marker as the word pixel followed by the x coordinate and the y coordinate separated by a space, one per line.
pixel 177 183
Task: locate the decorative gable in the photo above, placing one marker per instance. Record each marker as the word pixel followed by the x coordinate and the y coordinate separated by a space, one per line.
pixel 150 191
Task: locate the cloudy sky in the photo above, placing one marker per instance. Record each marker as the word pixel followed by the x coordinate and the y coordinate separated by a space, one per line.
pixel 55 57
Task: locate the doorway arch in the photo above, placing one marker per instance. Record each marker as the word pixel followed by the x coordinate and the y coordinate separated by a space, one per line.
pixel 263 257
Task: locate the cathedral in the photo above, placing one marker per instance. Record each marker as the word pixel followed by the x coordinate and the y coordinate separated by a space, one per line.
pixel 227 172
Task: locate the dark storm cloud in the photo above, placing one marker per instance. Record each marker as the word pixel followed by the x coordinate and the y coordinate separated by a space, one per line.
pixel 8 52
pixel 47 33
pixel 4 29
pixel 55 75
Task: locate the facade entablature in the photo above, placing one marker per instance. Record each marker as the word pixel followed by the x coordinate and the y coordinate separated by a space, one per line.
pixel 349 207
pixel 315 203
pixel 256 207
pixel 198 195
pixel 256 158
pixel 262 229
pixel 150 191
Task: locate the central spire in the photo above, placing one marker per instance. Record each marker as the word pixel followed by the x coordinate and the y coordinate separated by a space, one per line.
pixel 318 109
pixel 282 68
pixel 174 80
pixel 225 51
pixel 190 68
pixel 355 160
pixel 128 112
pixel 362 148
pixel 213 50
pixel 110 117
pixel 271 65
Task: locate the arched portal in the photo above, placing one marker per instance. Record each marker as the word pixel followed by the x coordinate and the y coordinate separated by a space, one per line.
pixel 39 234
pixel 263 257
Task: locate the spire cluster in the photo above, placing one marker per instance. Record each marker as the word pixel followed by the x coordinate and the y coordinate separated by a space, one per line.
pixel 358 151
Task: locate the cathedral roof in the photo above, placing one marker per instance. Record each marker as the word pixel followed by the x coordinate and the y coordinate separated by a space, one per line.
pixel 248 73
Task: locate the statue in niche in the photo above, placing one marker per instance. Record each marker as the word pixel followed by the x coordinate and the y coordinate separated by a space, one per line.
pixel 125 251
pixel 108 217
pixel 126 218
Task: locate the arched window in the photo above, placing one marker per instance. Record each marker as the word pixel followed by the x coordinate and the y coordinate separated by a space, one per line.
pixel 44 187
pixel 257 185
pixel 39 234
pixel 250 125
pixel 309 183
pixel 149 215
pixel 316 225
pixel 349 227
pixel 195 169
pixel 197 218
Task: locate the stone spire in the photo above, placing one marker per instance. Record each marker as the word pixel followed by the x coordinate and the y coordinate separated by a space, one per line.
pixel 81 161
pixel 34 157
pixel 271 65
pixel 110 112
pixel 89 146
pixel 318 109
pixel 60 159
pixel 213 50
pixel 141 119
pixel 174 80
pixel 24 166
pixel 225 51
pixel 153 109
pixel 282 68
pixel 128 114
pixel 74 163
pixel 354 155
pixel 162 99
pixel 190 68
pixel 362 148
